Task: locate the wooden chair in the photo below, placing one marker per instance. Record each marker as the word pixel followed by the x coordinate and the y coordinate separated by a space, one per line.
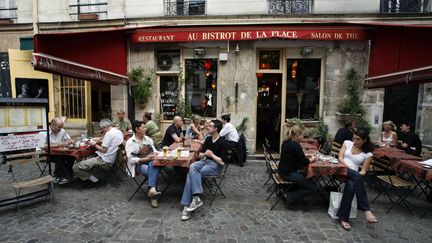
pixel 335 148
pixel 14 160
pixel 389 181
pixel 279 184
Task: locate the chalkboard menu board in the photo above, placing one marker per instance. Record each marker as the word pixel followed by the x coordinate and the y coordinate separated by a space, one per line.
pixel 169 96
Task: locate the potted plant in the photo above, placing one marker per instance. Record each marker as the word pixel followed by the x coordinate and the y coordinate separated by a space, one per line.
pixel 243 125
pixel 142 81
pixel 350 107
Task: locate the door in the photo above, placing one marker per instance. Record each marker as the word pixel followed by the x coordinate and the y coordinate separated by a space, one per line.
pixel 400 104
pixel 268 110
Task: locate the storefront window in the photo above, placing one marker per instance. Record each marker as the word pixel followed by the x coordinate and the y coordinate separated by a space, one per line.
pixel 72 92
pixel 303 88
pixel 200 86
pixel 269 59
pixel 169 96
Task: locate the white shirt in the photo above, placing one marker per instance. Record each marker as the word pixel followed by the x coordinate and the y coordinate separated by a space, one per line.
pixel 56 138
pixel 112 139
pixel 354 161
pixel 230 132
pixel 133 145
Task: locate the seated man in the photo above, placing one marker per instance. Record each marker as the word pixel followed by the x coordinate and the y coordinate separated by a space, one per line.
pixel 411 142
pixel 211 165
pixel 173 134
pixel 123 124
pixel 58 136
pixel 229 132
pixel 107 152
pixel 140 151
pixel 345 133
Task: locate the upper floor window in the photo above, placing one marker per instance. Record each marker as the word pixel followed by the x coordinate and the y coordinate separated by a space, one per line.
pixel 8 9
pixel 405 6
pixel 88 9
pixel 185 7
pixel 289 6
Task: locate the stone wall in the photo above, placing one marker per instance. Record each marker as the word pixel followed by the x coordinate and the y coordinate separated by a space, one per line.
pixel 424 114
pixel 341 57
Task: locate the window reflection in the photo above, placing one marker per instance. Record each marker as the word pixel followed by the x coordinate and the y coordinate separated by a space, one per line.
pixel 269 59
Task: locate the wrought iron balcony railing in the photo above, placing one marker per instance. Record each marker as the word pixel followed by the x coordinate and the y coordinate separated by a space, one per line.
pixel 405 6
pixel 290 6
pixel 185 7
pixel 89 9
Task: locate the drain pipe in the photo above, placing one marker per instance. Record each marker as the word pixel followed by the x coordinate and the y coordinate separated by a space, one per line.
pixel 35 18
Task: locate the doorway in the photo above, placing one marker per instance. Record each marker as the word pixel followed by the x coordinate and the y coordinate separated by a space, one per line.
pixel 268 110
pixel 400 104
pixel 100 101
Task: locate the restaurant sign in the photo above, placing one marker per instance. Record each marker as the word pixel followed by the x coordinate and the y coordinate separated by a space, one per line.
pixel 295 33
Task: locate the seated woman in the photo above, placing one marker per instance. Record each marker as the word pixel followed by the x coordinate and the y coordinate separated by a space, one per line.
pixel 389 136
pixel 355 154
pixel 152 130
pixel 292 161
pixel 194 129
pixel 140 152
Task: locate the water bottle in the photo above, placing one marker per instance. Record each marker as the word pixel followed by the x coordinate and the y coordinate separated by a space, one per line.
pixel 83 136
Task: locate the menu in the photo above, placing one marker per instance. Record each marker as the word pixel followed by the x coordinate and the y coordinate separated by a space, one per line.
pixel 22 119
pixel 13 142
pixel 169 102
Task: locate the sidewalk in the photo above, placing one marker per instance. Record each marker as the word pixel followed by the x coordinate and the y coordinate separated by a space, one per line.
pixel 103 214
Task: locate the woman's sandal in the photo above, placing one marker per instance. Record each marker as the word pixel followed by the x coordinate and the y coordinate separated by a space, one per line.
pixel 372 220
pixel 345 225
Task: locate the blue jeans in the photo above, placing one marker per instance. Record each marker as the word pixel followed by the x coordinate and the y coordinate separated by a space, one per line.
pixel 353 185
pixel 197 171
pixel 150 172
pixel 304 188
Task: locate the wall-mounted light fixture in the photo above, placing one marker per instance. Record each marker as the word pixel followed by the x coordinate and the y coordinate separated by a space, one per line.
pixel 307 50
pixel 199 52
pixel 237 49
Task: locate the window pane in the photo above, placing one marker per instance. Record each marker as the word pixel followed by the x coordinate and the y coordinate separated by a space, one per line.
pixel 303 86
pixel 269 59
pixel 73 98
pixel 200 86
pixel 169 93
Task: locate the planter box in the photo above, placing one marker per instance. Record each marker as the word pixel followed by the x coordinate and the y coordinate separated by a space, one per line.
pixel 88 16
pixel 346 117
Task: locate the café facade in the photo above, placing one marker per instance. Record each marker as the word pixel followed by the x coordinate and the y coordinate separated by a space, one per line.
pixel 264 73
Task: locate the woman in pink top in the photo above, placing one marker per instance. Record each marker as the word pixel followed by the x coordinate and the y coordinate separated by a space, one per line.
pixel 357 156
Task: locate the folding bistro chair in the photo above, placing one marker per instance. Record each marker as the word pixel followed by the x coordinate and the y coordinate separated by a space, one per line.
pixel 279 184
pixel 214 183
pixel 139 185
pixel 118 164
pixel 389 181
pixel 335 148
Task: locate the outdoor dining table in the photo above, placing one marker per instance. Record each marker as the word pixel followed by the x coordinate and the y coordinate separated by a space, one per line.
pixel 394 155
pixel 420 175
pixel 177 161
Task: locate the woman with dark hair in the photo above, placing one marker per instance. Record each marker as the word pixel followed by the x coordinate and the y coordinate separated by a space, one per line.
pixel 357 156
pixel 291 162
pixel 152 130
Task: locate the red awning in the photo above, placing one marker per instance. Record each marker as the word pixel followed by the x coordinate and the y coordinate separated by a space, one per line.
pixel 96 55
pixel 238 33
pixel 418 75
pixel 400 55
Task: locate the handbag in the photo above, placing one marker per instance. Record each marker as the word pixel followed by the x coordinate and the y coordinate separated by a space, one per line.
pixel 334 205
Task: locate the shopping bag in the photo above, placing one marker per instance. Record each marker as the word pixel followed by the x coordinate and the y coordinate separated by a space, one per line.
pixel 334 205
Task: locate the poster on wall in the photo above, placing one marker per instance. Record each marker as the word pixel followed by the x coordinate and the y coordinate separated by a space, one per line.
pixel 5 82
pixel 31 88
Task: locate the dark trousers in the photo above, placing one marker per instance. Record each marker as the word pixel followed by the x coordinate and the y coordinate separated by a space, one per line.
pixel 304 187
pixel 63 165
pixel 353 185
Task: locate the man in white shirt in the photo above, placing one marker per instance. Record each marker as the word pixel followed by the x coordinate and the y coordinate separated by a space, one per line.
pixel 229 132
pixel 63 164
pixel 107 152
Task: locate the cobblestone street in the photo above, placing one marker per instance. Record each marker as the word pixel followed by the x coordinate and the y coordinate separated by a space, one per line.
pixel 103 214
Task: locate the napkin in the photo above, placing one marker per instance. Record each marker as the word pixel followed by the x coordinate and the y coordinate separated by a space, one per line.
pixel 427 162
